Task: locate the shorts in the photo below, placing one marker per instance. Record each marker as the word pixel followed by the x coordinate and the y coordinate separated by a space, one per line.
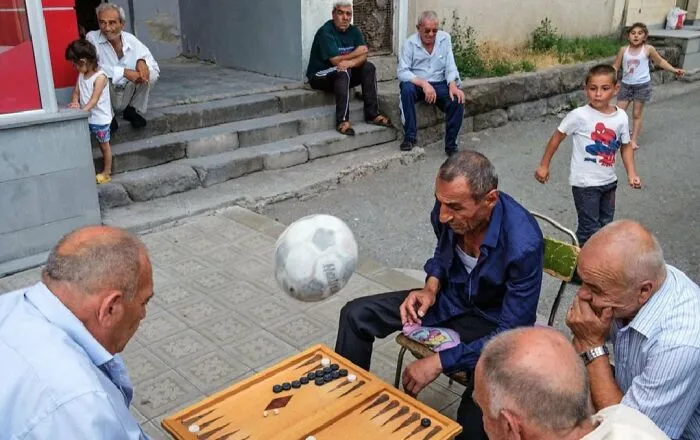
pixel 101 132
pixel 635 92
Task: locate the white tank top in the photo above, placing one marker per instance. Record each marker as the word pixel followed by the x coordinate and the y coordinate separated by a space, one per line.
pixel 636 67
pixel 101 114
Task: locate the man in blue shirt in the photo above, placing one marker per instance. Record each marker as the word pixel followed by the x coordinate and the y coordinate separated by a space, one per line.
pixel 484 278
pixel 428 72
pixel 650 311
pixel 338 62
pixel 59 339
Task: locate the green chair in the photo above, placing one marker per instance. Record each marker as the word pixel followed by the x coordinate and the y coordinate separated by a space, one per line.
pixel 559 261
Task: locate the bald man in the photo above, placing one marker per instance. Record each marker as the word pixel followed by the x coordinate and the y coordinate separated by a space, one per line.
pixel 531 384
pixel 651 313
pixel 61 375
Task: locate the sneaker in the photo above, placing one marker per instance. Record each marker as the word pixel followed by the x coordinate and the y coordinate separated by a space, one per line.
pixel 451 152
pixel 131 115
pixel 407 145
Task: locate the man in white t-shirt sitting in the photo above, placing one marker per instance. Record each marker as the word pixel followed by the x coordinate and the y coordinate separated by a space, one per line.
pixel 130 66
pixel 530 383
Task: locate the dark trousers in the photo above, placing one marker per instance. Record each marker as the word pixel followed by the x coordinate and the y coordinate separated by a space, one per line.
pixel 595 207
pixel 340 83
pixel 454 111
pixel 377 316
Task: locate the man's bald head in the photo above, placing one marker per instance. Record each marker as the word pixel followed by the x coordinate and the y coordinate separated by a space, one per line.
pixel 630 249
pixel 96 258
pixel 536 373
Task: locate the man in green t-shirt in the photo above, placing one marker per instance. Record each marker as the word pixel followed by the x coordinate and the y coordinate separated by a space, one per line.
pixel 338 62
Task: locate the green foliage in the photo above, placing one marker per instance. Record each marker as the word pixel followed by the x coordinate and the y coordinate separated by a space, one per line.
pixel 570 50
pixel 544 37
pixel 466 49
pixel 527 66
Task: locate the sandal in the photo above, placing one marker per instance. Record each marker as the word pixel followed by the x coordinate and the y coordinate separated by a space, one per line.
pixel 381 120
pixel 102 178
pixel 345 128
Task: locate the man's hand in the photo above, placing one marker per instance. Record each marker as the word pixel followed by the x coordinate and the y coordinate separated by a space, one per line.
pixel 142 69
pixel 420 373
pixel 456 92
pixel 344 65
pixel 634 181
pixel 74 104
pixel 416 305
pixel 542 174
pixel 429 91
pixel 589 329
pixel 133 75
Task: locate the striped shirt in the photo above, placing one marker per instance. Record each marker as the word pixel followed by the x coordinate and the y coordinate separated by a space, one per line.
pixel 657 357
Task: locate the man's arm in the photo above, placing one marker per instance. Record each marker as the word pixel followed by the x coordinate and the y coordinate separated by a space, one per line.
pixel 604 389
pixel 89 416
pixel 667 391
pixel 353 59
pixel 403 71
pixel 524 281
pixel 451 71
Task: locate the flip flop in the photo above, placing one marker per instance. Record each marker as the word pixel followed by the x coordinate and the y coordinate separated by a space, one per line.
pixel 345 128
pixel 101 178
pixel 381 121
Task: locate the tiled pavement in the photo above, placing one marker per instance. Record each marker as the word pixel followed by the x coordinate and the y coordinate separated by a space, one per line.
pixel 218 315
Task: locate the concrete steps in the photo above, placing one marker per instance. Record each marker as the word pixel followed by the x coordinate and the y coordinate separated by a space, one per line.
pixel 256 190
pixel 211 140
pixel 185 174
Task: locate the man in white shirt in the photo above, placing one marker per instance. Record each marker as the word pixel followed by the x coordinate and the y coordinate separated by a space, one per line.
pixel 427 72
pixel 531 384
pixel 130 66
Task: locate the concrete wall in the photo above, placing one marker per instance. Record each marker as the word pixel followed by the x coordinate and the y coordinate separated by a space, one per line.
pixel 157 24
pixel 47 186
pixel 512 22
pixel 651 12
pixel 260 36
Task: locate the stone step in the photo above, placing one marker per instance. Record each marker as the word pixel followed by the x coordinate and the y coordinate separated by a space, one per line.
pixel 205 114
pixel 256 190
pixel 157 150
pixel 187 174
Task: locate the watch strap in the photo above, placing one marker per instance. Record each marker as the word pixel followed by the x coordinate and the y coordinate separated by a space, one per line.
pixel 589 355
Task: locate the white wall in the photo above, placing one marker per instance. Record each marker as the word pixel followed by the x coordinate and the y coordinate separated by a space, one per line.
pixel 512 22
pixel 313 14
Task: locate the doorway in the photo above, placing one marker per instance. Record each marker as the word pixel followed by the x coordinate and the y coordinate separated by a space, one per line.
pixel 85 13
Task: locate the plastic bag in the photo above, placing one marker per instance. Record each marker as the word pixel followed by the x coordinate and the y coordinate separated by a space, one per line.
pixel 436 338
pixel 675 18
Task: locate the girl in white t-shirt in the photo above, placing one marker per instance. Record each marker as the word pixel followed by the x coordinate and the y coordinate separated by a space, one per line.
pixel 91 94
pixel 636 78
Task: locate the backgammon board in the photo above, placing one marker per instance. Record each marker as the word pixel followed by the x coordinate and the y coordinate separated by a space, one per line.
pixel 315 395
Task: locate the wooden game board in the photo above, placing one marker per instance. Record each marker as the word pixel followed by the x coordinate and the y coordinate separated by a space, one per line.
pixel 366 408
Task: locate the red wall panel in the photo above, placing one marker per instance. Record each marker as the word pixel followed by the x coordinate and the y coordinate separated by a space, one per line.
pixel 61 29
pixel 19 90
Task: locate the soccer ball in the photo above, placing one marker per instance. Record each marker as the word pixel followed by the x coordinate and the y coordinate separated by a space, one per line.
pixel 315 257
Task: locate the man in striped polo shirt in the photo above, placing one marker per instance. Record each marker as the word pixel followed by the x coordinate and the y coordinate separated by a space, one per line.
pixel 650 311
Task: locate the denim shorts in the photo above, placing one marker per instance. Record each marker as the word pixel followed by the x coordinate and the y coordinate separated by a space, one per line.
pixel 635 92
pixel 101 132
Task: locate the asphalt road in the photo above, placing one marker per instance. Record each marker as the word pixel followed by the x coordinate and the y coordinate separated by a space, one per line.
pixel 389 212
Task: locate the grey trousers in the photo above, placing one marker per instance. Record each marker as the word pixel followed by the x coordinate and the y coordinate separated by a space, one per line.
pixel 135 95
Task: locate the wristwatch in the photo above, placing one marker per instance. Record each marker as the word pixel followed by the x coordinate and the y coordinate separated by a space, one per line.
pixel 594 353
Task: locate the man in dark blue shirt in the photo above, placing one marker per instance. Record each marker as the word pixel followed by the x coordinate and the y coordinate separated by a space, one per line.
pixel 484 277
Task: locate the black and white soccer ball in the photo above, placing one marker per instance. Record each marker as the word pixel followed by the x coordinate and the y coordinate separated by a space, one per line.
pixel 315 257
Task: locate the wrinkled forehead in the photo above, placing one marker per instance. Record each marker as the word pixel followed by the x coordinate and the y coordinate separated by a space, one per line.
pixel 109 14
pixel 428 23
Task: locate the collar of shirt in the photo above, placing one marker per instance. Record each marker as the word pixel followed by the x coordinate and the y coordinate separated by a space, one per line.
pixel 125 41
pixel 58 314
pixel 649 316
pixel 439 38
pixel 490 240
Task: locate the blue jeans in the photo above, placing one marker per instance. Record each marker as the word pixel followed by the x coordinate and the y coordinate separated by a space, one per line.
pixel 595 207
pixel 454 111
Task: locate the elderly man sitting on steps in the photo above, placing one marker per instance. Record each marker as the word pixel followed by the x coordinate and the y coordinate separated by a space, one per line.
pixel 131 68
pixel 338 62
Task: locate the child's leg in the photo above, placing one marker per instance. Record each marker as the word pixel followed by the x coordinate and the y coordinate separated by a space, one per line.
pixel 637 116
pixel 623 104
pixel 607 203
pixel 587 201
pixel 107 158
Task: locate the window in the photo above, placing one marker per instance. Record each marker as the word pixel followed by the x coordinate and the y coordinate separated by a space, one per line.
pixel 26 82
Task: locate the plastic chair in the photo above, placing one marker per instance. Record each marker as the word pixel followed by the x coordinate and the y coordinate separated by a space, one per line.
pixel 559 262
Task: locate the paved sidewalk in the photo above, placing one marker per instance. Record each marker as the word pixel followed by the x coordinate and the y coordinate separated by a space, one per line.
pixel 218 315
